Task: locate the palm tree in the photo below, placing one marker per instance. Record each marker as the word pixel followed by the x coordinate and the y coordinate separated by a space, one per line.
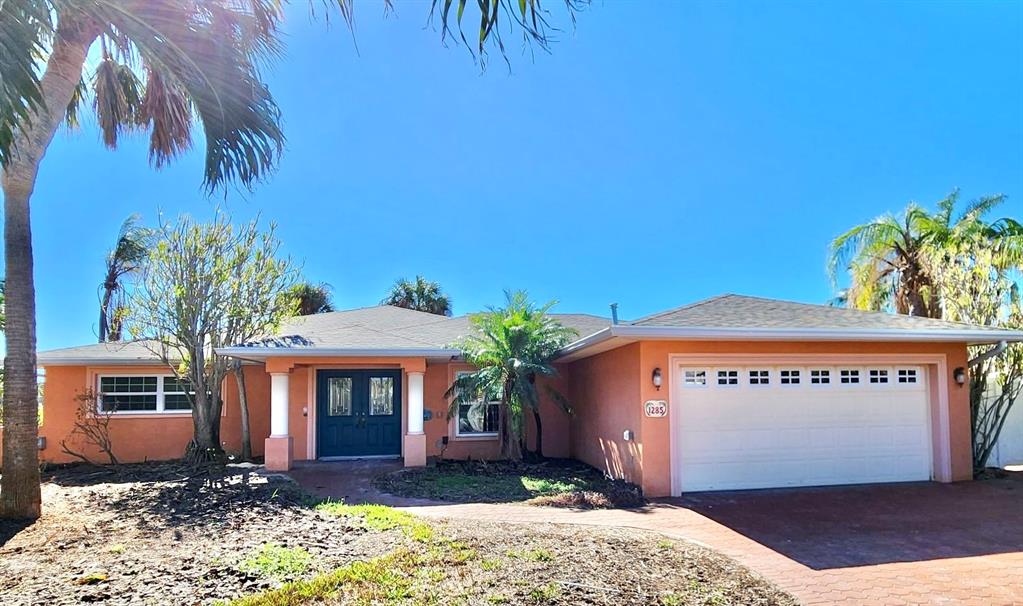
pixel 125 258
pixel 888 258
pixel 312 298
pixel 165 66
pixel 511 348
pixel 419 294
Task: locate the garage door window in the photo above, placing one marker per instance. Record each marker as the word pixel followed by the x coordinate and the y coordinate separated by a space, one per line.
pixel 849 376
pixel 907 375
pixel 789 377
pixel 878 376
pixel 759 377
pixel 728 377
pixel 694 378
pixel 820 377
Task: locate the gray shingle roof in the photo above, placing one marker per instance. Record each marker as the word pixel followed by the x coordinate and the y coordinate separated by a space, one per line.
pixel 391 328
pixel 739 311
pixel 127 352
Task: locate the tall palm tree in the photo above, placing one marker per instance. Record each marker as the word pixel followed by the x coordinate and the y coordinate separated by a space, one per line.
pixel 511 348
pixel 125 258
pixel 166 66
pixel 419 294
pixel 312 298
pixel 887 258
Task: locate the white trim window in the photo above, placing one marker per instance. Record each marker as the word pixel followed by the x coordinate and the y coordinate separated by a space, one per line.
pixel 789 377
pixel 849 376
pixel 759 377
pixel 878 376
pixel 820 376
pixel 142 394
pixel 477 419
pixel 694 378
pixel 907 376
pixel 728 378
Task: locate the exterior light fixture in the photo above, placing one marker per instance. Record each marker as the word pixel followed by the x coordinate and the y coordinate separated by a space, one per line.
pixel 959 374
pixel 656 378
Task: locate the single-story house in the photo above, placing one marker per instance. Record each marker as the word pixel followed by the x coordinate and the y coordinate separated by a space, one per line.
pixel 733 392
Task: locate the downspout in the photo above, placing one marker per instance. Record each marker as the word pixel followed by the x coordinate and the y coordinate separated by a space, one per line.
pixel 987 355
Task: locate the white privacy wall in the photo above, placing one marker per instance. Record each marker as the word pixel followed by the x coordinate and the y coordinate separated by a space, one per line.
pixel 1009 449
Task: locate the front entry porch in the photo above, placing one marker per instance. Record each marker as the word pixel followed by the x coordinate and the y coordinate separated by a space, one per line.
pixel 345 407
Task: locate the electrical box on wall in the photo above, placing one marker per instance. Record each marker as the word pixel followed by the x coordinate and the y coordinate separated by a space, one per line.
pixel 628 436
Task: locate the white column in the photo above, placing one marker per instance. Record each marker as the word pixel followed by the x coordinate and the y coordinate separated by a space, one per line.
pixel 279 404
pixel 415 403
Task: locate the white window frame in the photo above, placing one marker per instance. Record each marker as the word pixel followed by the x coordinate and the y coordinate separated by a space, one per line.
pixel 686 384
pixel 160 394
pixel 828 374
pixel 883 372
pixel 799 377
pixel 915 375
pixel 458 411
pixel 727 378
pixel 762 380
pixel 858 376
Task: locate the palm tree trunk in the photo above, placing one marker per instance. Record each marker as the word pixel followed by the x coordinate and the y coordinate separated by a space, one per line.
pixel 19 486
pixel 243 405
pixel 539 433
pixel 104 307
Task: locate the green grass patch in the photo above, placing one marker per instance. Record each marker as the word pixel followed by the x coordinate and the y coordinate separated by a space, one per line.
pixel 382 518
pixel 276 562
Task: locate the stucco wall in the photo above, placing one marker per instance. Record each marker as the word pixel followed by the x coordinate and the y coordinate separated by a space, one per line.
pixel 140 437
pixel 605 392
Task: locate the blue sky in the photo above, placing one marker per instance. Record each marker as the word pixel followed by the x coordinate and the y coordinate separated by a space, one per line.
pixel 664 152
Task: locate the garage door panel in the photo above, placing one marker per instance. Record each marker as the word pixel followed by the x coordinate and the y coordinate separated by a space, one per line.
pixel 760 436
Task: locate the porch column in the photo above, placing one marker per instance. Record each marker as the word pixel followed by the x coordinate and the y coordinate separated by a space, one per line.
pixel 278 448
pixel 415 438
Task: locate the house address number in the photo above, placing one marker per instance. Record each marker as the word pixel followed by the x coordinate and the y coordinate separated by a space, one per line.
pixel 656 408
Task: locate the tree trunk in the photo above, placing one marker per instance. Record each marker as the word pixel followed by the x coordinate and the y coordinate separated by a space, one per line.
pixel 511 446
pixel 539 433
pixel 243 406
pixel 205 446
pixel 19 487
pixel 104 309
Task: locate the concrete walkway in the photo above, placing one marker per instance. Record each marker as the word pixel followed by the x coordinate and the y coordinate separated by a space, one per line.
pixel 894 544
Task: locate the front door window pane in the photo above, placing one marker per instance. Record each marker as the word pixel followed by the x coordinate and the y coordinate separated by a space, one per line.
pixel 339 403
pixel 381 396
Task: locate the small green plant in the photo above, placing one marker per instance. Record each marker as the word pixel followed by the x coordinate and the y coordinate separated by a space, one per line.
pixel 497 599
pixel 533 555
pixel 118 548
pixel 545 593
pixel 671 599
pixel 490 564
pixel 273 561
pixel 665 544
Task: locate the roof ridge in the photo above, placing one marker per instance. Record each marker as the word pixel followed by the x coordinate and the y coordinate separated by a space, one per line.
pixel 682 307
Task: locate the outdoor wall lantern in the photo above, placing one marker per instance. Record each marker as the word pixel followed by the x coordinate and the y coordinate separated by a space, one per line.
pixel 959 374
pixel 656 378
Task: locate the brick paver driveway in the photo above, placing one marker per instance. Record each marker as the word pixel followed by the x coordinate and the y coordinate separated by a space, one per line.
pixel 890 544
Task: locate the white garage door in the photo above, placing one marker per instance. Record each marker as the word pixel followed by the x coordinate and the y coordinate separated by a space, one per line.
pixel 775 426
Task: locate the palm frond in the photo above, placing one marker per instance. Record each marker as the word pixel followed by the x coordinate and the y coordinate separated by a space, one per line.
pixel 867 236
pixel 117 99
pixel 25 29
pixel 71 115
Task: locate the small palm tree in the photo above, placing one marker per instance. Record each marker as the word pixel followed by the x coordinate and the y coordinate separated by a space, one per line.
pixel 312 298
pixel 511 348
pixel 419 294
pixel 125 258
pixel 888 258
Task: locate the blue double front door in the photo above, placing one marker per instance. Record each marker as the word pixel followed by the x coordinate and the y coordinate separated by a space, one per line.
pixel 358 413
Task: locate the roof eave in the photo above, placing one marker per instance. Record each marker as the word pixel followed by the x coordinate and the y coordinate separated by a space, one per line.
pixel 272 352
pixel 43 361
pixel 630 333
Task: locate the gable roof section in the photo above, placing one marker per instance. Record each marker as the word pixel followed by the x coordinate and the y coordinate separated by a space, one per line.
pixel 132 353
pixel 380 331
pixel 743 318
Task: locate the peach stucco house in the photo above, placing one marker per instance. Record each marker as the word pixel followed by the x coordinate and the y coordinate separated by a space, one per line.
pixel 732 392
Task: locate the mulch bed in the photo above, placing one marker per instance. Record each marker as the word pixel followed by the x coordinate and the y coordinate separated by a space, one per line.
pixel 501 482
pixel 164 533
